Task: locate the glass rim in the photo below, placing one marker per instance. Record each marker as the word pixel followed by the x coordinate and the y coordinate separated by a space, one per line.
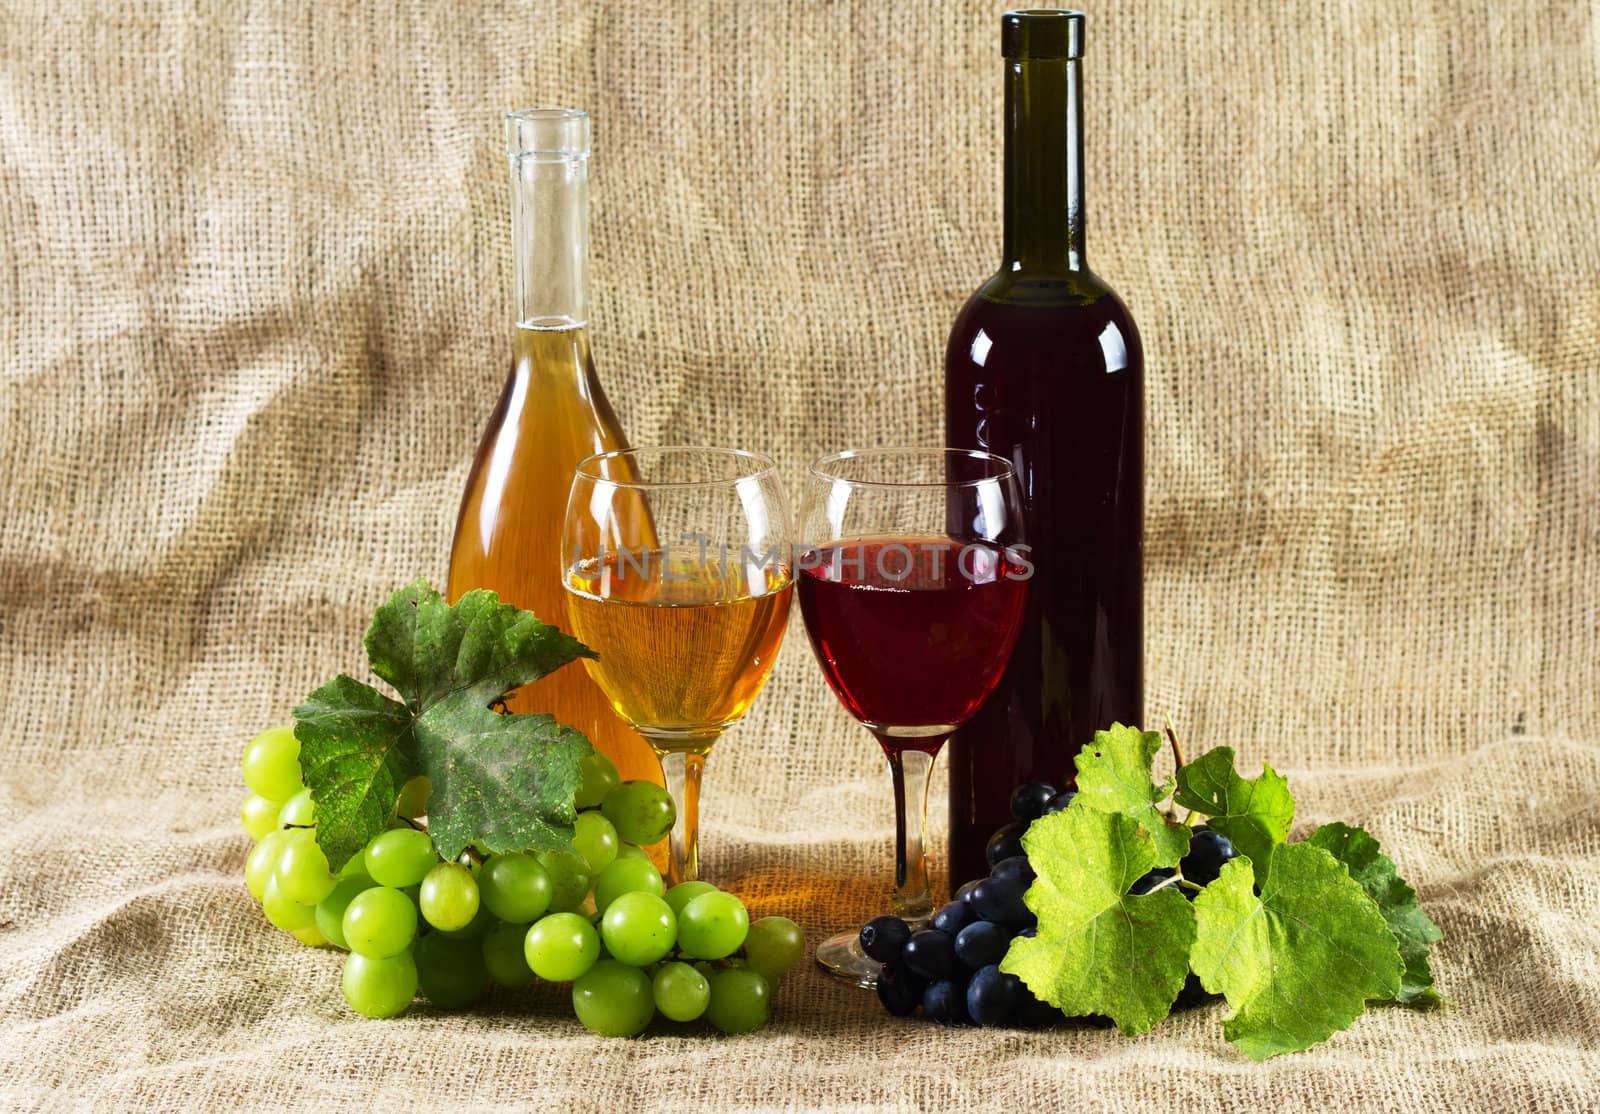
pixel 764 466
pixel 1006 469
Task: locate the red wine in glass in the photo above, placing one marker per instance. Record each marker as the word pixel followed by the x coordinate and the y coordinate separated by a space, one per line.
pixel 912 632
pixel 913 584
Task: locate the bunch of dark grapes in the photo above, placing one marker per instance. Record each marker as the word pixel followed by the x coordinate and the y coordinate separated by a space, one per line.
pixel 950 966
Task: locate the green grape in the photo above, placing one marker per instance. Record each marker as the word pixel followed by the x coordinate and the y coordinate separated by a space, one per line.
pixel 641 811
pixel 259 816
pixel 379 922
pixel 685 892
pixel 740 1000
pixel 303 873
pixel 354 867
pixel 380 987
pixel 613 999
pixel 311 936
pixel 712 926
pixel 284 912
pixel 597 776
pixel 569 877
pixel 330 910
pixel 639 928
pixel 449 897
pixel 596 840
pixel 632 851
pixel 262 862
pixel 482 922
pixel 272 764
pixel 400 857
pixel 503 955
pixel 681 992
pixel 627 876
pixel 515 887
pixel 298 811
pixel 774 945
pixel 413 799
pixel 450 973
pixel 561 947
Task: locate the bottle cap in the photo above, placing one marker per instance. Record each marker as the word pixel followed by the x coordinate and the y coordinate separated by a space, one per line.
pixel 1041 34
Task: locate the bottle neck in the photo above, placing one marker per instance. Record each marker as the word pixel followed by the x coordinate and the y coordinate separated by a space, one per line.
pixel 1044 215
pixel 550 239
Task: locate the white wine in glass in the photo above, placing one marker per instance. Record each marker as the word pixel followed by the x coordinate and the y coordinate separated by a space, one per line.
pixel 687 622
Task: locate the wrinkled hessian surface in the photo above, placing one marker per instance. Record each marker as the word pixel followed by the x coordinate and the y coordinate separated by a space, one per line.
pixel 253 306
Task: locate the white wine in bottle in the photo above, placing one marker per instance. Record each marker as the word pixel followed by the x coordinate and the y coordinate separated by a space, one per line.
pixel 551 414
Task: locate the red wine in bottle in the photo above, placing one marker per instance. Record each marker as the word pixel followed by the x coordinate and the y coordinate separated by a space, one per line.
pixel 1044 368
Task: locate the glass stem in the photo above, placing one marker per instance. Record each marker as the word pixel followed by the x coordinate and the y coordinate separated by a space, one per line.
pixel 682 771
pixel 910 769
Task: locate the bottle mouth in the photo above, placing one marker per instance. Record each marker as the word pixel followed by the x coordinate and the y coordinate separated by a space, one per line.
pixel 547 134
pixel 1042 34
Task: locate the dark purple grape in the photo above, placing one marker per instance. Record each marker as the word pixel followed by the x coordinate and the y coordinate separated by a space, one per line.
pixel 1029 798
pixel 1192 994
pixel 964 893
pixel 1060 801
pixel 898 989
pixel 1017 866
pixel 982 943
pixel 950 918
pixel 993 996
pixel 945 1003
pixel 883 937
pixel 1208 852
pixel 1035 1013
pixel 1000 899
pixel 930 954
pixel 1093 1021
pixel 1006 843
pixel 1147 882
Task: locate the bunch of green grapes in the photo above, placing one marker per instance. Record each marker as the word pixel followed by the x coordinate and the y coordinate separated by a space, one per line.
pixel 595 914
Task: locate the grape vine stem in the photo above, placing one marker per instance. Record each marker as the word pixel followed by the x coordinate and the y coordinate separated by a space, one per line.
pixel 1178 764
pixel 1177 749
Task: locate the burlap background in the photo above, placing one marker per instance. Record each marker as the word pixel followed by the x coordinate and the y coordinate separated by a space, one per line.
pixel 253 309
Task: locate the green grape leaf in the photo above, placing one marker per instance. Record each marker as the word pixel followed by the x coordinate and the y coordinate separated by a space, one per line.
pixel 350 756
pixel 428 649
pixel 512 776
pixel 1298 963
pixel 484 786
pixel 1099 949
pixel 1376 874
pixel 1254 815
pixel 1114 775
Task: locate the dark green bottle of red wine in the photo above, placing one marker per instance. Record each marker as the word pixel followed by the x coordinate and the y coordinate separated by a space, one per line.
pixel 1044 368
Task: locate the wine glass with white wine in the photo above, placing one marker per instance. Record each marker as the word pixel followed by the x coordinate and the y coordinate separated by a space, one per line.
pixel 676 567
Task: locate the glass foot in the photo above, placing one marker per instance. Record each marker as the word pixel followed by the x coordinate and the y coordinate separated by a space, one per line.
pixel 841 956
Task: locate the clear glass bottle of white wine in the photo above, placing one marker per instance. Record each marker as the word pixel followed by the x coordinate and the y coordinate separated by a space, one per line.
pixel 551 414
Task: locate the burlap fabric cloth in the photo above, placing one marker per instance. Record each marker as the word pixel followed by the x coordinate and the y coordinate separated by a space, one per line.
pixel 253 309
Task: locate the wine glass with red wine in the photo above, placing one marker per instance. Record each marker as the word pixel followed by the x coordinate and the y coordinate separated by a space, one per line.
pixel 911 578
